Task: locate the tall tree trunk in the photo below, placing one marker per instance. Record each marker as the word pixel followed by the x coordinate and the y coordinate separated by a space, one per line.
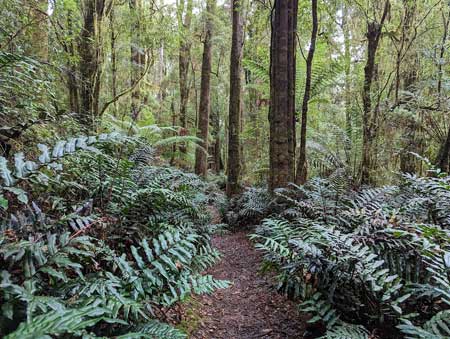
pixel 218 164
pixel 113 57
pixel 370 118
pixel 162 92
pixel 72 80
pixel 302 169
pixel 348 80
pixel 292 66
pixel 406 38
pixel 137 58
pixel 234 149
pixel 184 60
pixel 39 30
pixel 242 118
pixel 201 155
pixel 410 142
pixel 216 148
pixel 445 24
pixel 90 61
pixel 174 122
pixel 443 159
pixel 409 77
pixel 280 116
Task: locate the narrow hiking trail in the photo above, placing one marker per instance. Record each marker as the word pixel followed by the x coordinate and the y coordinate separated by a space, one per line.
pixel 250 308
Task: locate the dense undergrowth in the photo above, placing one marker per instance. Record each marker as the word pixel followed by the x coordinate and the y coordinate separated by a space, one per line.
pixel 97 241
pixel 363 264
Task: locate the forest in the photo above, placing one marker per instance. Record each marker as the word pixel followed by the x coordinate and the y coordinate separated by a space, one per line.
pixel 221 169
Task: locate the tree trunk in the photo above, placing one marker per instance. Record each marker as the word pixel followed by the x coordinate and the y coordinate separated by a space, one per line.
pixel 216 148
pixel 72 81
pixel 234 149
pixel 279 115
pixel 411 144
pixel 409 76
pixel 369 118
pixel 39 30
pixel 174 122
pixel 443 161
pixel 184 60
pixel 137 58
pixel 90 61
pixel 443 158
pixel 302 169
pixel 445 24
pixel 406 39
pixel 201 155
pixel 292 63
pixel 348 81
pixel 113 57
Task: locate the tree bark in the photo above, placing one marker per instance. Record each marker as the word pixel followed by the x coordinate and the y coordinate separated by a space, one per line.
pixel 443 161
pixel 137 58
pixel 348 80
pixel 302 169
pixel 370 118
pixel 292 66
pixel 39 34
pixel 174 122
pixel 216 147
pixel 113 57
pixel 183 61
pixel 201 155
pixel 409 77
pixel 72 81
pixel 90 61
pixel 445 24
pixel 234 149
pixel 280 116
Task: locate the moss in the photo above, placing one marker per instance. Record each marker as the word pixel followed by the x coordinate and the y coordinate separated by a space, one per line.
pixel 191 316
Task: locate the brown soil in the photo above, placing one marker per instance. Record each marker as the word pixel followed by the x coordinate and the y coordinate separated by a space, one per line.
pixel 250 308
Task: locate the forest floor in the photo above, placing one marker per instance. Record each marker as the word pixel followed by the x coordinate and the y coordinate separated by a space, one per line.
pixel 250 308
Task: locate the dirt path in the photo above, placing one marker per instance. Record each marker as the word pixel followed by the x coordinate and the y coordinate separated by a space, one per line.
pixel 250 308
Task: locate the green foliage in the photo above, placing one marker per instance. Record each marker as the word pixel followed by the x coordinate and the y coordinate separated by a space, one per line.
pixel 436 328
pixel 324 76
pixel 23 168
pixel 119 240
pixel 372 257
pixel 250 207
pixel 62 321
pixel 347 331
pixel 23 92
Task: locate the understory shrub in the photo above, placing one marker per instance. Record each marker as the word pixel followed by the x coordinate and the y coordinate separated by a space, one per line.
pixel 95 241
pixel 374 262
pixel 249 208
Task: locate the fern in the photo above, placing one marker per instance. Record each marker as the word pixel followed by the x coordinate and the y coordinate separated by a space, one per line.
pixel 154 330
pixel 115 232
pixel 437 327
pixel 370 257
pixel 320 310
pixel 63 321
pixel 347 331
